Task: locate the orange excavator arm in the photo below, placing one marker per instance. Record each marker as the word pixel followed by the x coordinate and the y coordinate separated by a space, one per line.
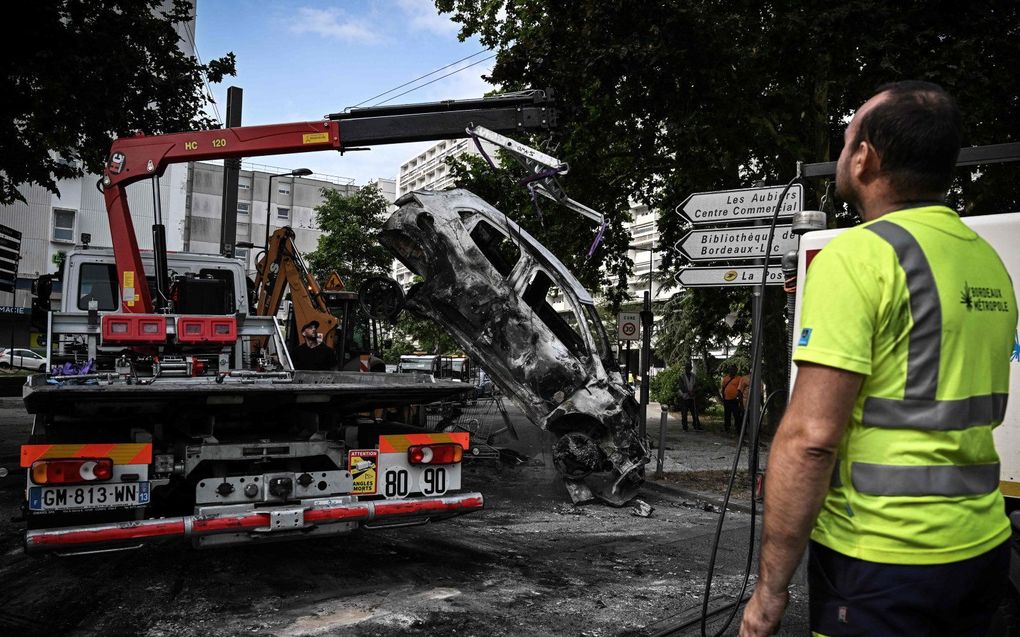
pixel 282 267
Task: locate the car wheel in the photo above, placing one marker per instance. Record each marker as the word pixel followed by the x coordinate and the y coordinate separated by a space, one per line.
pixel 42 368
pixel 5 365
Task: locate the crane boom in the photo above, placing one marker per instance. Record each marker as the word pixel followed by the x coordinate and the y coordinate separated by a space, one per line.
pixel 132 159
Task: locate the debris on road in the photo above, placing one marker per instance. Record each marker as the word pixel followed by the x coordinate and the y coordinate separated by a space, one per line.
pixel 641 508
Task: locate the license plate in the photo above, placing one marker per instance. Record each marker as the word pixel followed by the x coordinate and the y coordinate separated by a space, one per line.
pixel 399 478
pixel 89 496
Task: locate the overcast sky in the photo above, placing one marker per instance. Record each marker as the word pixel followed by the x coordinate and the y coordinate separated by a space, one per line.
pixel 299 61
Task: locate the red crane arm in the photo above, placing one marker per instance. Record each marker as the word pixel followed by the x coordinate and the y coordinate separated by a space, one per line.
pixel 132 159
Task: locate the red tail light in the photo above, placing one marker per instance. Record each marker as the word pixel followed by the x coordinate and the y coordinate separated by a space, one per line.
pixel 72 471
pixel 445 453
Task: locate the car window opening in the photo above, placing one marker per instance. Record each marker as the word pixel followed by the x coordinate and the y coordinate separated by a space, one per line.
pixel 564 326
pixel 501 252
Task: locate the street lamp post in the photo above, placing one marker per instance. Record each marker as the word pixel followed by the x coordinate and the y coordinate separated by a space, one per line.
pixel 299 172
pixel 647 322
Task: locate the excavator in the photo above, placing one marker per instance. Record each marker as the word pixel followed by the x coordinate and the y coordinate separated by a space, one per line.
pixel 345 329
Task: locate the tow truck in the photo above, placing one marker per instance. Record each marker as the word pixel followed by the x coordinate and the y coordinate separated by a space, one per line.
pixel 172 408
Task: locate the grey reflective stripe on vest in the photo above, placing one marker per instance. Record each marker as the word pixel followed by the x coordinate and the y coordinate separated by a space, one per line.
pixel 941 415
pixel 925 309
pixel 919 409
pixel 938 480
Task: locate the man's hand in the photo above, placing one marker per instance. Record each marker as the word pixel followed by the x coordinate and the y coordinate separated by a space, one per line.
pixel 763 612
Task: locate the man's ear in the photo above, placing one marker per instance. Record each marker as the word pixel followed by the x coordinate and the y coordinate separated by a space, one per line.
pixel 865 163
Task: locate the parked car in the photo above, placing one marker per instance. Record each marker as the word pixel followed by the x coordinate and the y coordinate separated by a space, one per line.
pixel 22 358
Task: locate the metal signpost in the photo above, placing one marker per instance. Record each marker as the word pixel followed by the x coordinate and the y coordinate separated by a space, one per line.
pixel 628 328
pixel 10 253
pixel 717 277
pixel 736 244
pixel 733 206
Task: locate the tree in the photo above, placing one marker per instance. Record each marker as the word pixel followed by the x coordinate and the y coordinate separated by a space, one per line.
pixel 660 100
pixel 92 71
pixel 349 243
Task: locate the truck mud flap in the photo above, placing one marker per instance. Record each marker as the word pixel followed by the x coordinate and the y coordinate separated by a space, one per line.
pixel 255 521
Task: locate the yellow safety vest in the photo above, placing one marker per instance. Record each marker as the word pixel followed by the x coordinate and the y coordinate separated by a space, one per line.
pixel 924 309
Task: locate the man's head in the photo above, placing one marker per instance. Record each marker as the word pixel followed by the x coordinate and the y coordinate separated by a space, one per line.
pixel 687 368
pixel 901 146
pixel 731 370
pixel 311 330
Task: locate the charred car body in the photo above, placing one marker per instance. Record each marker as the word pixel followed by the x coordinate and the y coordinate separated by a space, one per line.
pixel 493 287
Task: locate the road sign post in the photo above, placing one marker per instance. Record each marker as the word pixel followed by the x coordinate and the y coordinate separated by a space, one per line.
pixel 736 244
pixel 733 206
pixel 629 326
pixel 726 276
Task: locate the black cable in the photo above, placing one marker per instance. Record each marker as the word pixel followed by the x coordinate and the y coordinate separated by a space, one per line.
pixel 756 353
pixel 420 77
pixel 463 68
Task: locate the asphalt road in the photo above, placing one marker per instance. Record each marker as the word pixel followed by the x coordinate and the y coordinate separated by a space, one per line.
pixel 529 564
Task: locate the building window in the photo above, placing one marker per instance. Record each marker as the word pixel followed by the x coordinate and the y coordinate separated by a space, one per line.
pixel 244 183
pixel 63 225
pixel 242 230
pixel 242 254
pixel 283 213
pixel 243 208
pixel 283 189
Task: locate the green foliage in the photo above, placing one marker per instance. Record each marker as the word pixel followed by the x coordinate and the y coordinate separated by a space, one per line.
pixel 349 243
pixel 425 335
pixel 664 387
pixel 92 71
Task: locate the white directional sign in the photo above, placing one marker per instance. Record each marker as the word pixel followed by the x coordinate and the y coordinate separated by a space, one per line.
pixel 629 326
pixel 728 206
pixel 735 244
pixel 727 277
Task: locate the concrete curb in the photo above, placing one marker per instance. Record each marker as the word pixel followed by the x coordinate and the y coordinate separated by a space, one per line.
pixel 699 496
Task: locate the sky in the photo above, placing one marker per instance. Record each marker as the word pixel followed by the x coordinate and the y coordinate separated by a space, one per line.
pixel 300 61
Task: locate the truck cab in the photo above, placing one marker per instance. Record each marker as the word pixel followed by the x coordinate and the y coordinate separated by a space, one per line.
pixel 205 283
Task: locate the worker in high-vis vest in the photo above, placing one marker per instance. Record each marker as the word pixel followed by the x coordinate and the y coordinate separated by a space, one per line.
pixel 884 461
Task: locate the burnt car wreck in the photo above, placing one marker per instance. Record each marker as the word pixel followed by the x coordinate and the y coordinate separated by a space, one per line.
pixel 493 286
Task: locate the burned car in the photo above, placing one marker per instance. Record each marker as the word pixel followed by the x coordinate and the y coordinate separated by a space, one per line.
pixel 495 289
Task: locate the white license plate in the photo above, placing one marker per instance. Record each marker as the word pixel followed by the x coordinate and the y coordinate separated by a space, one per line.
pixel 399 479
pixel 88 496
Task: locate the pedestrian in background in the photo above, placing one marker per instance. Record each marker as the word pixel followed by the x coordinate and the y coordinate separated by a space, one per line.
pixel 688 403
pixel 885 458
pixel 729 390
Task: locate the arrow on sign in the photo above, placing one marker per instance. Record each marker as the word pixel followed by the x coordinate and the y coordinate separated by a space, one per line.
pixel 727 206
pixel 727 277
pixel 735 244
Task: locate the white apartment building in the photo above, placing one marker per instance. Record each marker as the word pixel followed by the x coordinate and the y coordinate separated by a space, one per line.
pixel 291 202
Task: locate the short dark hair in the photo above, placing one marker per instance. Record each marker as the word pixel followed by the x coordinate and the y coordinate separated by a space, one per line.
pixel 314 324
pixel 916 131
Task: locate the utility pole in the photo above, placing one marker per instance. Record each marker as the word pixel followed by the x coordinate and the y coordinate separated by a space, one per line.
pixel 231 172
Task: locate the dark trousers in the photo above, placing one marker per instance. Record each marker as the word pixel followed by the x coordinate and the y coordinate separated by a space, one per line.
pixel 854 597
pixel 732 409
pixel 687 405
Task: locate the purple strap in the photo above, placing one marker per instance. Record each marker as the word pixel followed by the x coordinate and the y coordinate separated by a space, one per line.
pixel 478 145
pixel 598 239
pixel 530 180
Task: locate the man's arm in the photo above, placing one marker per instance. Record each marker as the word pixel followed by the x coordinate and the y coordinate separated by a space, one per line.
pixel 799 471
